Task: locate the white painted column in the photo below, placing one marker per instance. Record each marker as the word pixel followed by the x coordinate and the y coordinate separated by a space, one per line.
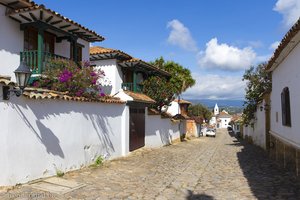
pixel 125 131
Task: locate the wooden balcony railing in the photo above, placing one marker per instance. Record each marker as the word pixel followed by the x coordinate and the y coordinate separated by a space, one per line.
pixel 36 62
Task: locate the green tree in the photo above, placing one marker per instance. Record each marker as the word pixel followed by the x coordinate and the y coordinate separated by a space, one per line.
pixel 258 83
pixel 200 110
pixel 163 90
pixel 163 95
pixel 181 78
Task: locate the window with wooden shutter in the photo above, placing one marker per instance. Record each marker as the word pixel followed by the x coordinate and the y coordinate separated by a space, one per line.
pixel 78 52
pixel 285 107
pixel 30 39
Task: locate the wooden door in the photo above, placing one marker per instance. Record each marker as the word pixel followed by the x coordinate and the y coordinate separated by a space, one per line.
pixel 137 128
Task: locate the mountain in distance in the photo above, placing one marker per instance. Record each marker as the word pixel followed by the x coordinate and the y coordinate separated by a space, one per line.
pixel 221 103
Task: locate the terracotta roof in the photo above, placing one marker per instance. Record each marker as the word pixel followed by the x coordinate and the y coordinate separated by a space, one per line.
pixel 6 81
pixel 39 93
pixel 100 53
pixel 135 61
pixel 16 4
pixel 38 12
pixel 166 115
pixel 236 117
pixel 224 115
pixel 287 40
pixel 139 97
pixel 103 50
pixel 181 101
pixel 198 120
pixel 182 117
pixel 152 111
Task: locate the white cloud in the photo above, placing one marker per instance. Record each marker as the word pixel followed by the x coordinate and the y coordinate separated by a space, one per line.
pixel 290 9
pixel 181 36
pixel 256 44
pixel 211 86
pixel 274 45
pixel 262 58
pixel 226 57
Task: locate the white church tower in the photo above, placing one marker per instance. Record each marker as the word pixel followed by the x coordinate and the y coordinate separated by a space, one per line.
pixel 216 110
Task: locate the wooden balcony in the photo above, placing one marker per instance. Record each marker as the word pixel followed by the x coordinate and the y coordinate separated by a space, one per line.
pixel 37 61
pixel 132 87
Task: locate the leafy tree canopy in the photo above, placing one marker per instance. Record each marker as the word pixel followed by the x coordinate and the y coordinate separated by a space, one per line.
pixel 160 90
pixel 181 78
pixel 200 110
pixel 258 83
pixel 163 90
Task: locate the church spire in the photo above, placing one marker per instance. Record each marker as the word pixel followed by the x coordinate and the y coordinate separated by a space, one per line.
pixel 216 110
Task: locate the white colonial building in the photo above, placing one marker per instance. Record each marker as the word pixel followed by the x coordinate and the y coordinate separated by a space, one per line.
pixel 220 119
pixel 35 34
pixel 285 98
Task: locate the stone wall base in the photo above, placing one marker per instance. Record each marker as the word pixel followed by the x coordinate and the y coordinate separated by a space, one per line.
pixel 286 155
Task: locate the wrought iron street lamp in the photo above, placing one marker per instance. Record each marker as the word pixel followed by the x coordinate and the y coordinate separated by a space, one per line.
pixel 22 74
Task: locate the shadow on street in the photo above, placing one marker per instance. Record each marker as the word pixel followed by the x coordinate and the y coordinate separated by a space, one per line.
pixel 265 178
pixel 192 196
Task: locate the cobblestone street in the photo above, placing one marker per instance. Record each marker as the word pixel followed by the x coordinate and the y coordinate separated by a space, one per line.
pixel 203 168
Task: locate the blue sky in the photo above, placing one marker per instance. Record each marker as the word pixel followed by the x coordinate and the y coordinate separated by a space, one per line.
pixel 216 39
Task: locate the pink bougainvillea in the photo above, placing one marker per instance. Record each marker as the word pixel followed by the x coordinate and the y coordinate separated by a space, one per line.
pixel 67 76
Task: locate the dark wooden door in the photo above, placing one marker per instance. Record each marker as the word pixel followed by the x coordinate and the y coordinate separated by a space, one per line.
pixel 137 128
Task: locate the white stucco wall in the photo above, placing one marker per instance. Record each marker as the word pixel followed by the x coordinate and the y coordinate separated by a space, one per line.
pixel 258 131
pixel 213 120
pixel 85 49
pixel 287 74
pixel 174 108
pixel 11 43
pixel 39 137
pixel 259 137
pixel 62 48
pixel 113 75
pixel 160 131
pixel 224 122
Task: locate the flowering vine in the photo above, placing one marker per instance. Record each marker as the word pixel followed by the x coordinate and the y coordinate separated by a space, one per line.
pixel 66 76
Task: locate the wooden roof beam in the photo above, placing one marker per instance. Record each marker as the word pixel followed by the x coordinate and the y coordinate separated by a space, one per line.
pixel 65 26
pixel 72 30
pixel 49 19
pixel 13 3
pixel 41 15
pixel 32 16
pixel 56 22
pixel 24 17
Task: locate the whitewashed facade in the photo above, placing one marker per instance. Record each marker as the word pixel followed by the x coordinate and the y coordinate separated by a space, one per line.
pixel 160 131
pixel 223 121
pixel 174 108
pixel 40 137
pixel 113 75
pixel 257 132
pixel 286 75
pixel 11 43
pixel 48 38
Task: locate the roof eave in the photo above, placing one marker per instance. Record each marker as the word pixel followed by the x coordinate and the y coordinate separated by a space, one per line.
pixel 19 15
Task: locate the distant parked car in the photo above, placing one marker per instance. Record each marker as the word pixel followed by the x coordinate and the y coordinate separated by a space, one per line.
pixel 210 132
pixel 203 131
pixel 229 128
